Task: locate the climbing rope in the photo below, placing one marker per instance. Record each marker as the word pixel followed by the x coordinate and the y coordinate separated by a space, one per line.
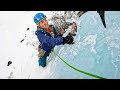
pixel 93 75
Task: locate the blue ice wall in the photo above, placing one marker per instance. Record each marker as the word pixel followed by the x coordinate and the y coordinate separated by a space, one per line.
pixel 96 49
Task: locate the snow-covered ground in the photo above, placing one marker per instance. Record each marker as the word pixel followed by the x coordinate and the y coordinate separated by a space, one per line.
pixel 97 50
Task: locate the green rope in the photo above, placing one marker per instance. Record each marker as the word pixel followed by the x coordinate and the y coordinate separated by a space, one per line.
pixel 96 76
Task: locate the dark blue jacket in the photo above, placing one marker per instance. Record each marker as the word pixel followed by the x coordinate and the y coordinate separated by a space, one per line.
pixel 47 41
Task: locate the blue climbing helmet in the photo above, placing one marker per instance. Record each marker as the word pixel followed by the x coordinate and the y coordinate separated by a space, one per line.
pixel 38 17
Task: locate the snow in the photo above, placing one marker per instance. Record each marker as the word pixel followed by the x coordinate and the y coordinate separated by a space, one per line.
pixel 96 49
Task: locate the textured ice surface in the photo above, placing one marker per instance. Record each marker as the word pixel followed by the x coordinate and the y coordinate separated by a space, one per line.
pixel 96 49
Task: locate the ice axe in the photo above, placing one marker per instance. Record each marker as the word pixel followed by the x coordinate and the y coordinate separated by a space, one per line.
pixel 102 16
